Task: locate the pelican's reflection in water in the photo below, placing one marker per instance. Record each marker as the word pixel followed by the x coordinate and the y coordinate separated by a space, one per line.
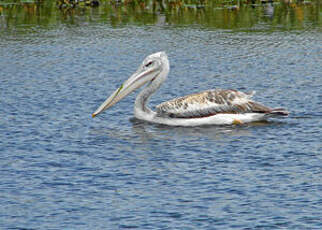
pixel 148 131
pixel 142 132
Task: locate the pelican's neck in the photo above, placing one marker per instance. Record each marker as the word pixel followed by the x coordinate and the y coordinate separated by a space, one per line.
pixel 141 102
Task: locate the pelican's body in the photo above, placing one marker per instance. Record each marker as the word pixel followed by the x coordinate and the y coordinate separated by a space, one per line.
pixel 211 107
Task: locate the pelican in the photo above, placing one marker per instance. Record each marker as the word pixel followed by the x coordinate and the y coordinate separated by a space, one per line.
pixel 211 107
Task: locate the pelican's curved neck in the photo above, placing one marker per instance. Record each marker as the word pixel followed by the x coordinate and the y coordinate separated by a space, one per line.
pixel 141 109
pixel 141 101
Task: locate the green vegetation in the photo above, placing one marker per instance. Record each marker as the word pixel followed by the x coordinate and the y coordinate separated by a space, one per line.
pixel 224 14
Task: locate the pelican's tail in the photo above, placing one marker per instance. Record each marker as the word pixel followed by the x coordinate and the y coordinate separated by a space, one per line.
pixel 278 112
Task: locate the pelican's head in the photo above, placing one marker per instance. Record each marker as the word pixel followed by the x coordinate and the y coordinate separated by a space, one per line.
pixel 154 66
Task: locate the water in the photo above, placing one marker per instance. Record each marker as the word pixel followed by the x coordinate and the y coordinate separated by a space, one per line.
pixel 61 169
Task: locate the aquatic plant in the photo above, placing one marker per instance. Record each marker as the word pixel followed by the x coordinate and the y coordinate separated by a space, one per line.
pixel 225 14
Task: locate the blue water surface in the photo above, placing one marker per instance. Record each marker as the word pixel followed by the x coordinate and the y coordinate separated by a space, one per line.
pixel 61 169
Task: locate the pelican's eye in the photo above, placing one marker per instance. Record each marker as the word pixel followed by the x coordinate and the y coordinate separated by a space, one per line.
pixel 148 64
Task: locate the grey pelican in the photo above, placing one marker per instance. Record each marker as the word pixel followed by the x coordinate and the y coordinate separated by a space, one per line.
pixel 211 107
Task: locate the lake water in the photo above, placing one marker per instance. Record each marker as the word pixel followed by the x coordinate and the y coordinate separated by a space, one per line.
pixel 61 169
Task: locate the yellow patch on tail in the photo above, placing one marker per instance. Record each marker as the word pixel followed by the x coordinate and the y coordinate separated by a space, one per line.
pixel 237 122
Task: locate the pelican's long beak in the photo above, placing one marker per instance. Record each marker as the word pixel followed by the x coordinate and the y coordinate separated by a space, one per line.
pixel 139 78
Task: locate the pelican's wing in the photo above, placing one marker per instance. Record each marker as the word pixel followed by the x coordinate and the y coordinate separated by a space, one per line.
pixel 209 103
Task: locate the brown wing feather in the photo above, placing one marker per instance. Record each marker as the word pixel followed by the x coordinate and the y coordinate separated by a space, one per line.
pixel 209 103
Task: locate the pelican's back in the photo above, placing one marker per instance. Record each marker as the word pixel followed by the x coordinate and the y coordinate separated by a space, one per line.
pixel 211 102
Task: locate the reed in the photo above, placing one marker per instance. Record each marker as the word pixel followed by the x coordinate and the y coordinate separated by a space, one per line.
pixel 223 14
